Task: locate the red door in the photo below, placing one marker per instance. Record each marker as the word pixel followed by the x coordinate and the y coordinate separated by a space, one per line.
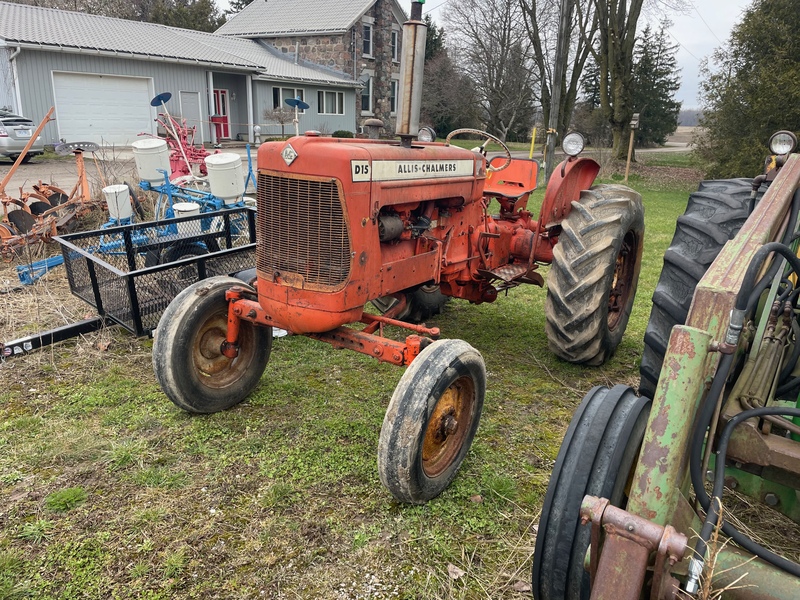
pixel 220 118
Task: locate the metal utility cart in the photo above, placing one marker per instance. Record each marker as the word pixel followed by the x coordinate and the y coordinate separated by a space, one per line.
pixel 131 273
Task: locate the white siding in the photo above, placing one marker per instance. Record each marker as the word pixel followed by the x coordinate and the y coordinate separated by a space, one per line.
pixel 35 70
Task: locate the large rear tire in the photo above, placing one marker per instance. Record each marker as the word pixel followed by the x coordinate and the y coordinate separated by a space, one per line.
pixel 597 456
pixel 187 357
pixel 714 215
pixel 592 281
pixel 431 420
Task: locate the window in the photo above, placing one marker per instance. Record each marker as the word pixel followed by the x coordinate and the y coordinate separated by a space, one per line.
pixel 366 40
pixel 395 46
pixel 279 95
pixel 330 103
pixel 366 96
pixel 393 96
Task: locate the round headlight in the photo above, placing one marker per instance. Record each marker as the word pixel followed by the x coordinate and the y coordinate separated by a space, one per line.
pixel 426 134
pixel 782 142
pixel 573 143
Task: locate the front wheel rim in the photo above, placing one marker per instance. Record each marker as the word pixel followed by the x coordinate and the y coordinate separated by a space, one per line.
pixel 214 369
pixel 448 427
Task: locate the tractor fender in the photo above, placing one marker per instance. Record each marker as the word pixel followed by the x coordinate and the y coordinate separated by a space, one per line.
pixel 572 176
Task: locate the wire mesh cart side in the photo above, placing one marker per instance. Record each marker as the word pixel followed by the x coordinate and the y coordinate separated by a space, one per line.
pixel 131 273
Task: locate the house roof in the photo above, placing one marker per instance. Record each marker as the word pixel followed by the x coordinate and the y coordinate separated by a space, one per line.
pixel 46 28
pixel 271 18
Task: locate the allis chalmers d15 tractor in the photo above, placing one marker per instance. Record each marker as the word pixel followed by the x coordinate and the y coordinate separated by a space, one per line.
pixel 639 501
pixel 344 222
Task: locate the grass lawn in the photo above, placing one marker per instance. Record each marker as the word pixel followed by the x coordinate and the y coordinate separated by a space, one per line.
pixel 110 491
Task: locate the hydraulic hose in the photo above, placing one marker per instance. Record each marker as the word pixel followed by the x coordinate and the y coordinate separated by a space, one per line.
pixel 747 293
pixel 788 237
pixel 746 300
pixel 712 505
pixel 794 357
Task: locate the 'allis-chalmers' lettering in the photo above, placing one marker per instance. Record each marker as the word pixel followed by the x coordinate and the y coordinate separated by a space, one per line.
pixel 409 169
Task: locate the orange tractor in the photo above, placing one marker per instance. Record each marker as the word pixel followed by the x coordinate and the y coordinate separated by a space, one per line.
pixel 405 224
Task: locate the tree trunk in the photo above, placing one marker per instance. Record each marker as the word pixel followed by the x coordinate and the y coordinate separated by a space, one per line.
pixel 617 29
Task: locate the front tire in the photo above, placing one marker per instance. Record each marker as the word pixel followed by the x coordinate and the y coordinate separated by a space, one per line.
pixel 431 420
pixel 714 215
pixel 187 357
pixel 597 456
pixel 592 282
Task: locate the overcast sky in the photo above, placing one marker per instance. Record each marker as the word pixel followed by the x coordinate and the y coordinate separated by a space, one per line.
pixel 705 27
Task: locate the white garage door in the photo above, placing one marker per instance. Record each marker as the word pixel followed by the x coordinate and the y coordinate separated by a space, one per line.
pixel 102 108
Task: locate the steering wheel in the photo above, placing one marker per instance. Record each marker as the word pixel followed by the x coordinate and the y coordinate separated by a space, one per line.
pixel 489 138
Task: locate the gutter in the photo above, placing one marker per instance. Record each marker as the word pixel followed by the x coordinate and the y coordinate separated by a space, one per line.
pixel 15 78
pixel 253 69
pixel 300 80
pixel 151 57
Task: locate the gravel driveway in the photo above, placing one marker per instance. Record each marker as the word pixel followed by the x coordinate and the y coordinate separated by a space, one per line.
pixel 112 165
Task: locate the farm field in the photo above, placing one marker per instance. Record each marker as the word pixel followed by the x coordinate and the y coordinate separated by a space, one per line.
pixel 110 491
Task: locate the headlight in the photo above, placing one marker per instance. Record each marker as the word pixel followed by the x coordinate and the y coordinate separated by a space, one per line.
pixel 782 142
pixel 573 143
pixel 426 134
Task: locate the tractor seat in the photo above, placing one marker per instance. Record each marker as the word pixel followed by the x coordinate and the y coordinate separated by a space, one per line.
pixel 513 182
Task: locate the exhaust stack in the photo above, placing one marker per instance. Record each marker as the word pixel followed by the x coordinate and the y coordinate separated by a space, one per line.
pixel 412 65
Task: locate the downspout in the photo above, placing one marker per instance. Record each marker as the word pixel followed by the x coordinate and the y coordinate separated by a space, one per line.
pixel 12 58
pixel 249 85
pixel 210 77
pixel 297 51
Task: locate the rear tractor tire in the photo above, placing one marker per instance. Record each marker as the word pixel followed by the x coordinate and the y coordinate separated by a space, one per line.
pixel 431 421
pixel 592 282
pixel 187 357
pixel 422 303
pixel 714 215
pixel 597 458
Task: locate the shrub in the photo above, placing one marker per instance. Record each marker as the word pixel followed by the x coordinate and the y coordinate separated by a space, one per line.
pixel 342 133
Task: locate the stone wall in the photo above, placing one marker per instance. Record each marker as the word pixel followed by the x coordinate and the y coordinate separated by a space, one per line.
pixel 330 51
pixel 344 53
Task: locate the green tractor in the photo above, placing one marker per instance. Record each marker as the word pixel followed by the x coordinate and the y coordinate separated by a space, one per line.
pixel 638 504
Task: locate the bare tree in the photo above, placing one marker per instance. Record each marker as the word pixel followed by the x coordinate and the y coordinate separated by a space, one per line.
pixel 489 44
pixel 613 53
pixel 281 115
pixel 449 99
pixel 541 18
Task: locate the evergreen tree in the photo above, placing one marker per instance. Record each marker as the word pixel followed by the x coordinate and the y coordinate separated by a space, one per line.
pixel 237 6
pixel 200 15
pixel 449 97
pixel 656 78
pixel 754 91
pixel 590 84
pixel 434 40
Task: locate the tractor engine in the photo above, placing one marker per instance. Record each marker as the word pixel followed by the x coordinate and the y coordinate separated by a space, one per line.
pixel 342 222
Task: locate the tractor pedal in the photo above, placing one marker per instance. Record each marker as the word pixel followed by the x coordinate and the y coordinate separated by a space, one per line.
pixel 507 273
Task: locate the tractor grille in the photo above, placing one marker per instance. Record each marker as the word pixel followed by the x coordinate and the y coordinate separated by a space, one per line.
pixel 302 231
